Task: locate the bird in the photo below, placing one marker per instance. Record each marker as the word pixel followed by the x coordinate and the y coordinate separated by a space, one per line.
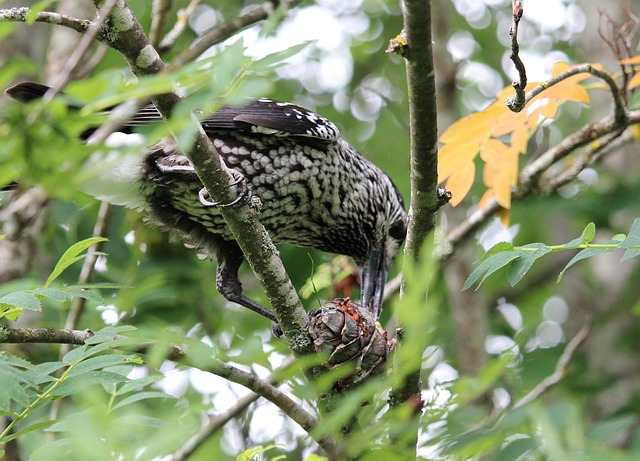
pixel 315 190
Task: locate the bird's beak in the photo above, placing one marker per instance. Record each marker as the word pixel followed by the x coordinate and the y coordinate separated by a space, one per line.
pixel 373 276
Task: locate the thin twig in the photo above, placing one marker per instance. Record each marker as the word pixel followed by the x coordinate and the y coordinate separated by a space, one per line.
pixel 21 14
pixel 560 370
pixel 59 81
pixel 213 424
pixel 179 27
pixel 619 107
pixel 517 102
pixel 159 15
pixel 586 159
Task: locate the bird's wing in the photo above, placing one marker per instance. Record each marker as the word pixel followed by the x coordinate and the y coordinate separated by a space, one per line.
pixel 265 116
pixel 262 116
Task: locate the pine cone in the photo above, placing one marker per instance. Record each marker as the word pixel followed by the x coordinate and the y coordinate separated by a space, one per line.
pixel 349 333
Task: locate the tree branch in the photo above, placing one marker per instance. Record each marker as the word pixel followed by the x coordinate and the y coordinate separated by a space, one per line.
pixel 263 388
pixel 21 14
pixel 214 424
pixel 66 336
pixel 519 100
pixel 560 369
pixel 88 266
pixel 415 45
pixel 619 110
pixel 44 336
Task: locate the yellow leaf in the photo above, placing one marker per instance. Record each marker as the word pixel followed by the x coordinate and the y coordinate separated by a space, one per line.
pixel 500 170
pixel 550 109
pixel 453 156
pixel 493 151
pixel 460 183
pixel 634 82
pixel 508 122
pixel 631 61
pixel 520 139
pixel 472 128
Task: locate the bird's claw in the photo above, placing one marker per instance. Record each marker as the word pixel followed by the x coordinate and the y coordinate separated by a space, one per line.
pixel 244 195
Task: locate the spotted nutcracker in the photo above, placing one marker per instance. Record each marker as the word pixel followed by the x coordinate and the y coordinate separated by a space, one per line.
pixel 316 191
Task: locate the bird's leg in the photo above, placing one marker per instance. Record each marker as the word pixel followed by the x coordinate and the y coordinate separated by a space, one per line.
pixel 244 195
pixel 228 284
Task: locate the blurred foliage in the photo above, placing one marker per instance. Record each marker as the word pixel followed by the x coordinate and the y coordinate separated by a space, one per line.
pixel 169 295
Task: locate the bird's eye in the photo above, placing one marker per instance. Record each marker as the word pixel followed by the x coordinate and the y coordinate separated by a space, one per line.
pixel 398 230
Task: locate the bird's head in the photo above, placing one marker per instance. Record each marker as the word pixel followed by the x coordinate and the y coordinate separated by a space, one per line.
pixel 389 234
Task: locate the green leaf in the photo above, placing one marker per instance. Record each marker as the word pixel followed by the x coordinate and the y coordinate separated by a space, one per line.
pixel 516 449
pixel 584 254
pixel 51 293
pixel 632 240
pixel 6 29
pixel 314 457
pixel 586 237
pixel 273 60
pixel 500 255
pixel 21 299
pixel 141 396
pixel 17 382
pixel 26 430
pixel 76 384
pixel 103 361
pixel 71 256
pixel 608 429
pixel 108 334
pixel 521 266
pixel 86 294
pixel 228 66
pixel 137 384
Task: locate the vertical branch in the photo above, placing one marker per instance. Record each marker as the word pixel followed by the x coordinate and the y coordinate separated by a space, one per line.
pixel 423 125
pixel 415 46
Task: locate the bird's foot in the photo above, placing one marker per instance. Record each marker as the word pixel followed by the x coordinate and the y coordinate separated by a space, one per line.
pixel 244 194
